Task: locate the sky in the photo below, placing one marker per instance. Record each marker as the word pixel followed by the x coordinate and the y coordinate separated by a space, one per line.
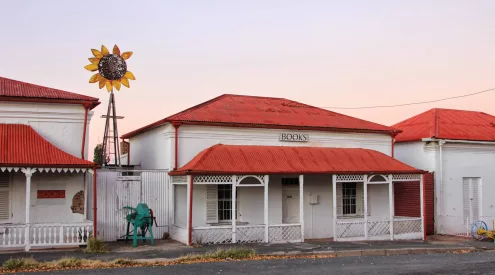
pixel 323 53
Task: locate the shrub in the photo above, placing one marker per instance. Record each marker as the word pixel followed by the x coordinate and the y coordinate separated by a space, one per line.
pixel 95 246
pixel 20 263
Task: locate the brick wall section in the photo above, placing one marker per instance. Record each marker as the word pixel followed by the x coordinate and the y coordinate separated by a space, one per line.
pixel 407 200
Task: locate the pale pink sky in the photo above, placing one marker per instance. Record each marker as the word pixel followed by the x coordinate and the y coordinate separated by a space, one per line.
pixel 323 53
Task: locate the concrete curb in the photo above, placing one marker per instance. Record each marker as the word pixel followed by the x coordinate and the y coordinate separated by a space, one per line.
pixel 377 252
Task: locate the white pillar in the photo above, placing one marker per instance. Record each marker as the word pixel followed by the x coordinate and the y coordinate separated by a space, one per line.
pixel 422 202
pixel 28 172
pixel 188 210
pixel 365 212
pixel 265 208
pixel 301 205
pixel 234 207
pixel 334 200
pixel 391 205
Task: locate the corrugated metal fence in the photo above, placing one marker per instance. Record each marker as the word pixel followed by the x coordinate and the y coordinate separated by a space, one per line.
pixel 117 189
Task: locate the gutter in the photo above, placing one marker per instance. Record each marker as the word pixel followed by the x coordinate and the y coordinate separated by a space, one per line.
pixel 458 141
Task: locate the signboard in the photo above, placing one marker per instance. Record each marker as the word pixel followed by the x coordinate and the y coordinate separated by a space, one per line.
pixel 296 137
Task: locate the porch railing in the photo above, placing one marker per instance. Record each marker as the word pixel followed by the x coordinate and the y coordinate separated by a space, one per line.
pixel 378 229
pixel 277 233
pixel 45 235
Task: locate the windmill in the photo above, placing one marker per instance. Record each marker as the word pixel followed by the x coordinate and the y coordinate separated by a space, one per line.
pixel 112 73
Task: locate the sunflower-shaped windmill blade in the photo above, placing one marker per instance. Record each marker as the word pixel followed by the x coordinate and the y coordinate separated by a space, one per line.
pixel 111 67
pixel 112 73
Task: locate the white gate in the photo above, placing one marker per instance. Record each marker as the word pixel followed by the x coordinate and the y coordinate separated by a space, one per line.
pixel 117 189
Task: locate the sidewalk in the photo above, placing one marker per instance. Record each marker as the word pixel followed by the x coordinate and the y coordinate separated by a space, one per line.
pixel 167 249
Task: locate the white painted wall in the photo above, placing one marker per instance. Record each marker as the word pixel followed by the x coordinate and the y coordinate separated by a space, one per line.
pixel 378 201
pixel 155 149
pixel 151 150
pixel 41 211
pixel 459 160
pixel 318 218
pixel 60 124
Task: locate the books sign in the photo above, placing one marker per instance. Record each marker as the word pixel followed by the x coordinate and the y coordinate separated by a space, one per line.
pixel 297 137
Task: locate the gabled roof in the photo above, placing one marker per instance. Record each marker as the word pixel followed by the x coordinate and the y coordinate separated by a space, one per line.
pixel 246 159
pixel 21 145
pixel 266 112
pixel 448 124
pixel 13 90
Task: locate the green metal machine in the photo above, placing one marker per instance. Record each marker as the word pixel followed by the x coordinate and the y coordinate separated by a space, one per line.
pixel 141 218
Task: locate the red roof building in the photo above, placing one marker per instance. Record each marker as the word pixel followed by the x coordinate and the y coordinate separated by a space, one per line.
pixel 14 90
pixel 447 124
pixel 266 112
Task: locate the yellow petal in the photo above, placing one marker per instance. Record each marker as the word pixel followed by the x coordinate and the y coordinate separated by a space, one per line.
pixel 125 82
pixel 91 67
pixel 102 82
pixel 94 60
pixel 104 50
pixel 116 50
pixel 126 55
pixel 129 75
pixel 109 85
pixel 94 78
pixel 116 84
pixel 97 53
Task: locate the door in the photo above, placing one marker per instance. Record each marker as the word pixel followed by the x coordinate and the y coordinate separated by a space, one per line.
pixel 471 199
pixel 290 205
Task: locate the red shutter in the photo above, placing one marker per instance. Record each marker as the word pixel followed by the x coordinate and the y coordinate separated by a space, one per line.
pixel 407 200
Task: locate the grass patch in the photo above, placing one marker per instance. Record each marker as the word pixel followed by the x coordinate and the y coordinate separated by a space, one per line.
pixel 69 262
pixel 20 263
pixel 125 262
pixel 95 245
pixel 222 254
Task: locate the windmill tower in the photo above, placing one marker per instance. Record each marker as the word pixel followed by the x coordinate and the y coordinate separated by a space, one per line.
pixel 112 73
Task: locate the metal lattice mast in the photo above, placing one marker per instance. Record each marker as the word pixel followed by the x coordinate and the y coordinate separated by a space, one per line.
pixel 111 136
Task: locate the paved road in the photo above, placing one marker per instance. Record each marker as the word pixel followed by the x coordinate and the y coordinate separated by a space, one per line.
pixel 472 263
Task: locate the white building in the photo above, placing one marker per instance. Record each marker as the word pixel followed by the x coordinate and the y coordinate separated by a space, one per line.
pixel 459 147
pixel 43 171
pixel 259 169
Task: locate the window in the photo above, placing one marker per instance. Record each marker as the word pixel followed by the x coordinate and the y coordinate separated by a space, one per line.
pixel 349 191
pixel 290 182
pixel 4 197
pixel 224 202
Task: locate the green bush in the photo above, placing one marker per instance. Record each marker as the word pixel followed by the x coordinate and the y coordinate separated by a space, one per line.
pixel 95 246
pixel 20 263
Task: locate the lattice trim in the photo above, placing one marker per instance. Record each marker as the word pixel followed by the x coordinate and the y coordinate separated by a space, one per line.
pixel 260 178
pixel 350 229
pixel 407 226
pixel 250 234
pixel 406 177
pixel 218 179
pixel 350 178
pixel 284 233
pixel 178 179
pixel 212 236
pixel 378 228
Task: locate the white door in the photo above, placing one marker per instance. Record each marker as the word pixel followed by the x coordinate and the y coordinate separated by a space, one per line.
pixel 4 197
pixel 290 205
pixel 471 199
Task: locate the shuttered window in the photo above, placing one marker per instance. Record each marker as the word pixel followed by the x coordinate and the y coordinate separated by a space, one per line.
pixel 350 199
pixel 211 203
pixel 349 204
pixel 4 197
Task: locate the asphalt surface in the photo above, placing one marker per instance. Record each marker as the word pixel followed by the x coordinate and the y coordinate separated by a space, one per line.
pixel 470 263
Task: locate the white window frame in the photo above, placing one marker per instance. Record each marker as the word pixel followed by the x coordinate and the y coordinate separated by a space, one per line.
pixel 349 197
pixel 219 187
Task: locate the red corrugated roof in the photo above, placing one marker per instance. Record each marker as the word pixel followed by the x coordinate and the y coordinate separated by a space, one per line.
pixel 266 112
pixel 246 159
pixel 21 145
pixel 12 89
pixel 448 124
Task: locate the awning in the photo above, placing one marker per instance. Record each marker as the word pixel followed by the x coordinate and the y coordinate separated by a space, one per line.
pixel 21 145
pixel 248 159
